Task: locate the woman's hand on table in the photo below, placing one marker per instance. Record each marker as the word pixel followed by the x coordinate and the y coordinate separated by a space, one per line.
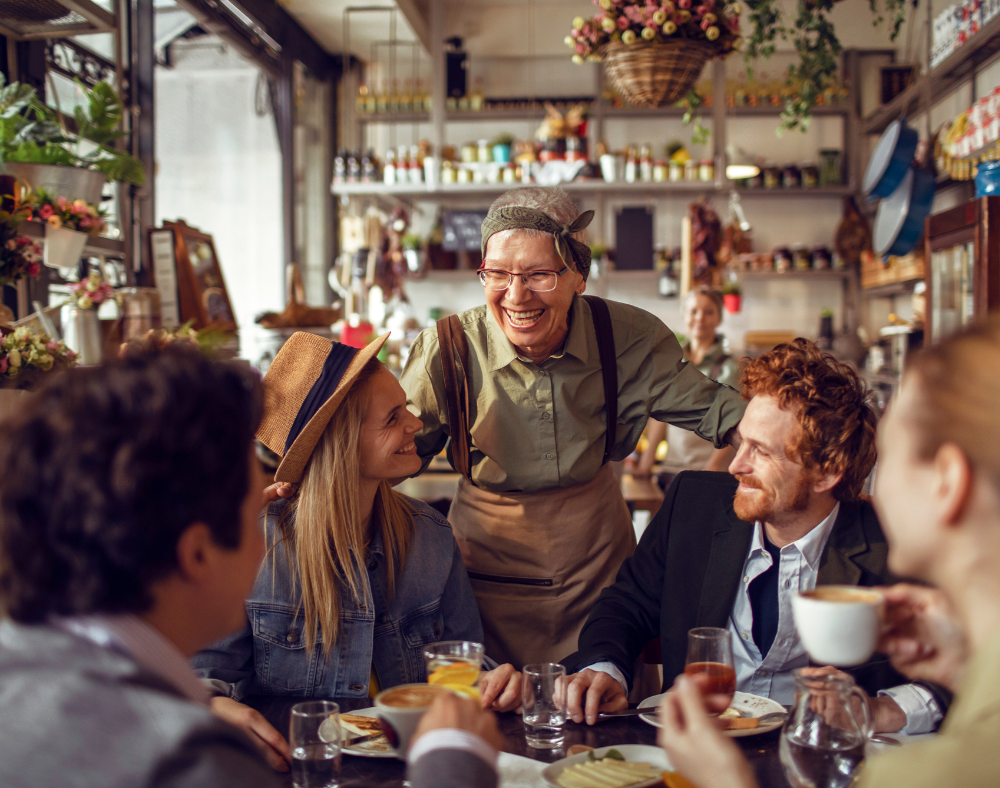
pixel 922 635
pixel 591 692
pixel 276 491
pixel 271 744
pixel 500 688
pixel 697 748
pixel 449 710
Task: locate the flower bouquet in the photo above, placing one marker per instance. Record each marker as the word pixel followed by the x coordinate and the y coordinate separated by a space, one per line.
pixel 91 292
pixel 19 255
pixel 25 357
pixel 67 225
pixel 654 50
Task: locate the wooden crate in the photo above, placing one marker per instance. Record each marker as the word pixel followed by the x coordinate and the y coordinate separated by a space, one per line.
pixel 875 273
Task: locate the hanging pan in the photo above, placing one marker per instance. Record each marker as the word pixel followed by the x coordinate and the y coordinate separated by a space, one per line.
pixel 890 160
pixel 899 222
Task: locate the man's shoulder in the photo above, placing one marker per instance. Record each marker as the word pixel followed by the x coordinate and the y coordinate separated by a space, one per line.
pixel 103 702
pixel 698 500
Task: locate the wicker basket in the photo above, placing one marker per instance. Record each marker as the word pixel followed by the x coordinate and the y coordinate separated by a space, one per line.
pixel 655 75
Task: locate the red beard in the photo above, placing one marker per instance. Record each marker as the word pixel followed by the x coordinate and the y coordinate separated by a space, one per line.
pixel 764 506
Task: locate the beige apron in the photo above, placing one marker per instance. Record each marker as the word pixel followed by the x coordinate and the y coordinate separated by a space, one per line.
pixel 538 561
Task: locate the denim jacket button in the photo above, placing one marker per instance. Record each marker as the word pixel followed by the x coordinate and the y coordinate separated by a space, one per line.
pixel 292 637
pixel 356 687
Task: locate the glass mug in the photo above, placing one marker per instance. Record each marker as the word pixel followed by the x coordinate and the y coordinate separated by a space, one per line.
pixel 710 655
pixel 823 741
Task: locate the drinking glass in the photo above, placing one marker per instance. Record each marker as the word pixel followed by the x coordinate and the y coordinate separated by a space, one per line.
pixel 823 741
pixel 710 654
pixel 455 664
pixel 544 696
pixel 314 735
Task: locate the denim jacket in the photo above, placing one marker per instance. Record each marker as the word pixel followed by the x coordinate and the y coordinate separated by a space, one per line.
pixel 433 602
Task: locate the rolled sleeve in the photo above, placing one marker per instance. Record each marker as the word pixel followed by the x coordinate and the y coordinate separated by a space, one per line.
pixel 421 379
pixel 918 704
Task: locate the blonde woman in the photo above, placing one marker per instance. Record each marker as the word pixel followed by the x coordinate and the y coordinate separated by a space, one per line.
pixel 358 578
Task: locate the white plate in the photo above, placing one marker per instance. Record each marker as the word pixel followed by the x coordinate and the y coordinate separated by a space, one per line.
pixel 365 749
pixel 748 706
pixel 636 753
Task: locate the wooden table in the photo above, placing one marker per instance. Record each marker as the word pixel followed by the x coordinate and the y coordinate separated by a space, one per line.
pixel 762 751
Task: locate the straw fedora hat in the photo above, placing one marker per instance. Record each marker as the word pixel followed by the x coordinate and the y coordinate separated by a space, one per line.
pixel 303 387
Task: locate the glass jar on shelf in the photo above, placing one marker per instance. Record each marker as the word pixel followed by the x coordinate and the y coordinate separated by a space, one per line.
pixel 690 170
pixel 772 175
pixel 791 177
pixel 810 174
pixel 706 171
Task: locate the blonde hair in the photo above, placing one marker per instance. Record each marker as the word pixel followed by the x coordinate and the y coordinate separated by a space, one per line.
pixel 713 293
pixel 549 200
pixel 956 396
pixel 328 534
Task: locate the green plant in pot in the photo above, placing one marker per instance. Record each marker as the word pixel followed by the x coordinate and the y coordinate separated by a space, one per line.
pixel 732 297
pixel 501 145
pixel 35 148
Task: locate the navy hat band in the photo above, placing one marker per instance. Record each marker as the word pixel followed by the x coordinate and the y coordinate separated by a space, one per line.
pixel 334 367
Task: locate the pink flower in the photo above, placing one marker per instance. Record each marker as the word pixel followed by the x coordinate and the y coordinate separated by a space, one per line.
pixel 685 4
pixel 575 33
pixel 34 269
pixel 3 365
pixel 622 22
pixel 61 202
pixel 52 346
pixel 45 211
pixel 635 14
pixel 580 49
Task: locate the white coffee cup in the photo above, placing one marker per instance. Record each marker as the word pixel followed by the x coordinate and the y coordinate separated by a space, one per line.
pixel 838 625
pixel 400 710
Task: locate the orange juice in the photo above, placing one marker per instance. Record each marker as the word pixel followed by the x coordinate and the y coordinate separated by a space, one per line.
pixel 457 675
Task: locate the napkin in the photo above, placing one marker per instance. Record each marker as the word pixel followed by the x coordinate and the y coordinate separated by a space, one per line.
pixel 516 771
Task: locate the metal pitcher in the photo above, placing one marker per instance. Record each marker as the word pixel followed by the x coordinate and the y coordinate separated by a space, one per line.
pixel 82 333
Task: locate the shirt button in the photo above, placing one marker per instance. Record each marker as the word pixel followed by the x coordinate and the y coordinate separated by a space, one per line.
pixel 761 673
pixel 292 637
pixel 545 414
pixel 549 456
pixel 746 579
pixel 746 636
pixel 357 687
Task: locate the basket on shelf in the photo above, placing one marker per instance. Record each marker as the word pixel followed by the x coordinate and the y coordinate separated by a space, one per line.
pixel 653 74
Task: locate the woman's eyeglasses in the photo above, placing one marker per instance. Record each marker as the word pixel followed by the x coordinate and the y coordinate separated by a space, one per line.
pixel 536 281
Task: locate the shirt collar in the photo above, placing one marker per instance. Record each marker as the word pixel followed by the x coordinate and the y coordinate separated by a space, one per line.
pixel 500 352
pixel 144 644
pixel 809 546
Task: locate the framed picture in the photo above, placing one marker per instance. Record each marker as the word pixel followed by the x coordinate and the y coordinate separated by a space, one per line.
pixel 201 290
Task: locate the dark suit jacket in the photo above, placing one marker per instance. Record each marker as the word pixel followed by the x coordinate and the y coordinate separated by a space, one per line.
pixel 687 570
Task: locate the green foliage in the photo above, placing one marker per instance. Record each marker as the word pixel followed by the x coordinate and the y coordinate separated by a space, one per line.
pixel 30 134
pixel 731 288
pixel 814 38
pixel 700 133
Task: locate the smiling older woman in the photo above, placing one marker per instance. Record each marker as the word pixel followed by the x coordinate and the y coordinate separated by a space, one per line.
pixel 525 395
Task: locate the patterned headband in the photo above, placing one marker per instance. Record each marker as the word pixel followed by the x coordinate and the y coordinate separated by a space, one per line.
pixel 575 254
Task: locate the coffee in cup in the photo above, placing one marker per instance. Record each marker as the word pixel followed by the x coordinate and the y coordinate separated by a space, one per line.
pixel 838 625
pixel 400 710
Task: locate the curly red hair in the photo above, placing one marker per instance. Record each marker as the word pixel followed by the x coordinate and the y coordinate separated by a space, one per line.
pixel 833 407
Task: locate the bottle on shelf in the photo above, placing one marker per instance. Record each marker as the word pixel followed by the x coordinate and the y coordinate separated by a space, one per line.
pixel 361 103
pixel 416 165
pixel 382 99
pixel 477 100
pixel 646 164
pixel 340 167
pixel 406 97
pixel 368 171
pixel 389 168
pixel 631 166
pixel 393 103
pixel 353 168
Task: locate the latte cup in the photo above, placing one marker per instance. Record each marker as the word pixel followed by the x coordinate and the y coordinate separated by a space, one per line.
pixel 838 625
pixel 400 710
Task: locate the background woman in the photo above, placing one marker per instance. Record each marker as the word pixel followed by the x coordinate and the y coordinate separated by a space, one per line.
pixel 704 348
pixel 358 578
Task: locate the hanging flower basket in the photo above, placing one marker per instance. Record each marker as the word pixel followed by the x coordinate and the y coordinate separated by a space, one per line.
pixel 63 247
pixel 653 74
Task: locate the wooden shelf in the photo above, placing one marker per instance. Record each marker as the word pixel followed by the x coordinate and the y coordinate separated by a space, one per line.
pixel 964 62
pixel 828 275
pixel 96 245
pixel 819 191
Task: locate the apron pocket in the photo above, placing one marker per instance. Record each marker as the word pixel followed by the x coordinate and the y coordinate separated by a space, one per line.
pixel 517 581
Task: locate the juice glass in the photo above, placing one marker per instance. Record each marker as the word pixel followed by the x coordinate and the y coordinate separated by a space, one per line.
pixel 710 654
pixel 455 664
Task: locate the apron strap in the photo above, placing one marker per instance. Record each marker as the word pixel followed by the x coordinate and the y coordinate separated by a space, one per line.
pixel 609 368
pixel 451 338
pixel 717 368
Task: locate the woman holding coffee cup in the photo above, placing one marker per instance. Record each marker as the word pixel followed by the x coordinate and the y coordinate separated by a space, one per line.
pixel 358 579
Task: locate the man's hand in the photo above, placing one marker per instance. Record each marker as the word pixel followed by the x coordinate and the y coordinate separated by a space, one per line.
pixel 451 711
pixel 922 635
pixel 696 747
pixel 500 689
pixel 271 744
pixel 591 692
pixel 276 491
pixel 885 713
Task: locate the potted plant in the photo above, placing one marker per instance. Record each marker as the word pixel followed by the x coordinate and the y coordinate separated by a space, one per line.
pixel 501 145
pixel 25 359
pixel 732 297
pixel 19 254
pixel 81 328
pixel 36 149
pixel 655 51
pixel 67 225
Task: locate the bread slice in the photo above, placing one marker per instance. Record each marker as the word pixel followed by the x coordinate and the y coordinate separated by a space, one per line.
pixel 743 724
pixel 360 725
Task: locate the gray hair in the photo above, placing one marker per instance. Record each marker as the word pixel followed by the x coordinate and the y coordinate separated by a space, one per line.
pixel 714 293
pixel 550 200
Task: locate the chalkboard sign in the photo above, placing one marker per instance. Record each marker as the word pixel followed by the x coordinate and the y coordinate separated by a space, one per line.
pixel 634 236
pixel 462 231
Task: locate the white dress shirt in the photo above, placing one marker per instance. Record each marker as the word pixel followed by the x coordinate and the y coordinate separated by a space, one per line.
pixel 771 676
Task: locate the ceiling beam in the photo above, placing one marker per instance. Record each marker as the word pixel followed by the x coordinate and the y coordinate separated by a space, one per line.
pixel 292 37
pixel 418 22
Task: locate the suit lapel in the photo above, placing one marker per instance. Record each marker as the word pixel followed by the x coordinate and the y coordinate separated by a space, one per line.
pixel 726 558
pixel 847 541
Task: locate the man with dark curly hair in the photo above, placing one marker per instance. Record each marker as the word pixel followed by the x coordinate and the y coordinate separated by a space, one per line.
pixel 128 541
pixel 728 549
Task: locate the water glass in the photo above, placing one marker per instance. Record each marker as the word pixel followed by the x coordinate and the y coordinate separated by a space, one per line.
pixel 544 695
pixel 314 735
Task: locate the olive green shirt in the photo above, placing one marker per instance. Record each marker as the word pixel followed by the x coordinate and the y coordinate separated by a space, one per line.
pixel 539 426
pixel 965 753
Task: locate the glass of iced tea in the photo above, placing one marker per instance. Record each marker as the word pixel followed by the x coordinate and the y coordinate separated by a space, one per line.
pixel 710 655
pixel 455 664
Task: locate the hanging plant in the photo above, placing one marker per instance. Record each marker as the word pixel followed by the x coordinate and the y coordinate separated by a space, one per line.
pixel 815 40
